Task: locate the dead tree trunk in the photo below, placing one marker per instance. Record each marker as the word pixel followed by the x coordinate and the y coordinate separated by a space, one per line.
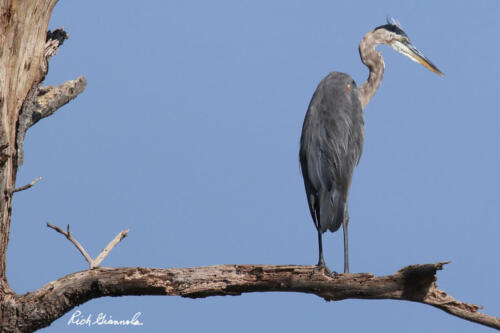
pixel 26 47
pixel 23 29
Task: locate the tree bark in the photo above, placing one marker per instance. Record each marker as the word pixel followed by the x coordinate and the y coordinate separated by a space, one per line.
pixel 413 283
pixel 23 66
pixel 25 48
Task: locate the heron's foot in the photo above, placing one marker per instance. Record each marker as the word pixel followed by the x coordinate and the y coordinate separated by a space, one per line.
pixel 321 268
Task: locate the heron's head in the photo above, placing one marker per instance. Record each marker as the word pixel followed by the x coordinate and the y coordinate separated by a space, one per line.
pixel 395 37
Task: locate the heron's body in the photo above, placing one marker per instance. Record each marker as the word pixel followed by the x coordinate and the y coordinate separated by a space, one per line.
pixel 333 132
pixel 331 145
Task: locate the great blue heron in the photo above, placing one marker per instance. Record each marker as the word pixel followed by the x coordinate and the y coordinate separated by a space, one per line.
pixel 333 132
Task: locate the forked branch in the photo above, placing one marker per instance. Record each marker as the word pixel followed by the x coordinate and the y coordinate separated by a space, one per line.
pixel 93 263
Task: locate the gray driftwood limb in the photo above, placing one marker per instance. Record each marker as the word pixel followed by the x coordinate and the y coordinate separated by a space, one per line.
pixel 416 283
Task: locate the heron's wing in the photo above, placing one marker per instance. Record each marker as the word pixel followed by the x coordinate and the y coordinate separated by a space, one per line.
pixel 331 145
pixel 325 199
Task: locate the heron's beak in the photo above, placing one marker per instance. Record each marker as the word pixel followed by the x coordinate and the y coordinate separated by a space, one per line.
pixel 414 54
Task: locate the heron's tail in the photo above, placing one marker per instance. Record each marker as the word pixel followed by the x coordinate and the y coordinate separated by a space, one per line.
pixel 332 210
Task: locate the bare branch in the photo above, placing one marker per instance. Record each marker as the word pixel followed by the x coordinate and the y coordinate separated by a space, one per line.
pixel 42 102
pixel 74 241
pixel 93 263
pixel 27 186
pixel 52 98
pixel 108 248
pixel 413 283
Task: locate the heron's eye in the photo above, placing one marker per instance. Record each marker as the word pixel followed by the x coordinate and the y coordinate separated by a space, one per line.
pixel 405 39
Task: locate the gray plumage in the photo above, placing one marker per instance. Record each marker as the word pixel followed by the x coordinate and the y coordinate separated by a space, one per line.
pixel 333 132
pixel 330 148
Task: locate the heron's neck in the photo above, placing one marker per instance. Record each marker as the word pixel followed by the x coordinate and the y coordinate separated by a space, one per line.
pixel 373 59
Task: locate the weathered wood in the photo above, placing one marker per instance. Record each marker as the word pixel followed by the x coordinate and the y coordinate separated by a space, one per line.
pixel 23 32
pixel 413 283
pixel 27 186
pixel 93 263
pixel 25 47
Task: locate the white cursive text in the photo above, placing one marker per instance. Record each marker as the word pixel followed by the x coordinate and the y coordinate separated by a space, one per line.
pixel 102 319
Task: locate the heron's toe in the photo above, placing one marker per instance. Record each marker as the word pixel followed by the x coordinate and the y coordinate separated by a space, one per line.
pixel 324 270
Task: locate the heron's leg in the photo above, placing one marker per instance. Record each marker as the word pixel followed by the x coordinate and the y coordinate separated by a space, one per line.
pixel 346 243
pixel 321 262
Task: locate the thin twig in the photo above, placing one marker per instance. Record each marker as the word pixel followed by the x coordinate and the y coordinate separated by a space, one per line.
pixel 74 241
pixel 27 186
pixel 108 248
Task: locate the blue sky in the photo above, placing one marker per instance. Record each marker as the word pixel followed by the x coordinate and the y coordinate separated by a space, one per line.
pixel 188 134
